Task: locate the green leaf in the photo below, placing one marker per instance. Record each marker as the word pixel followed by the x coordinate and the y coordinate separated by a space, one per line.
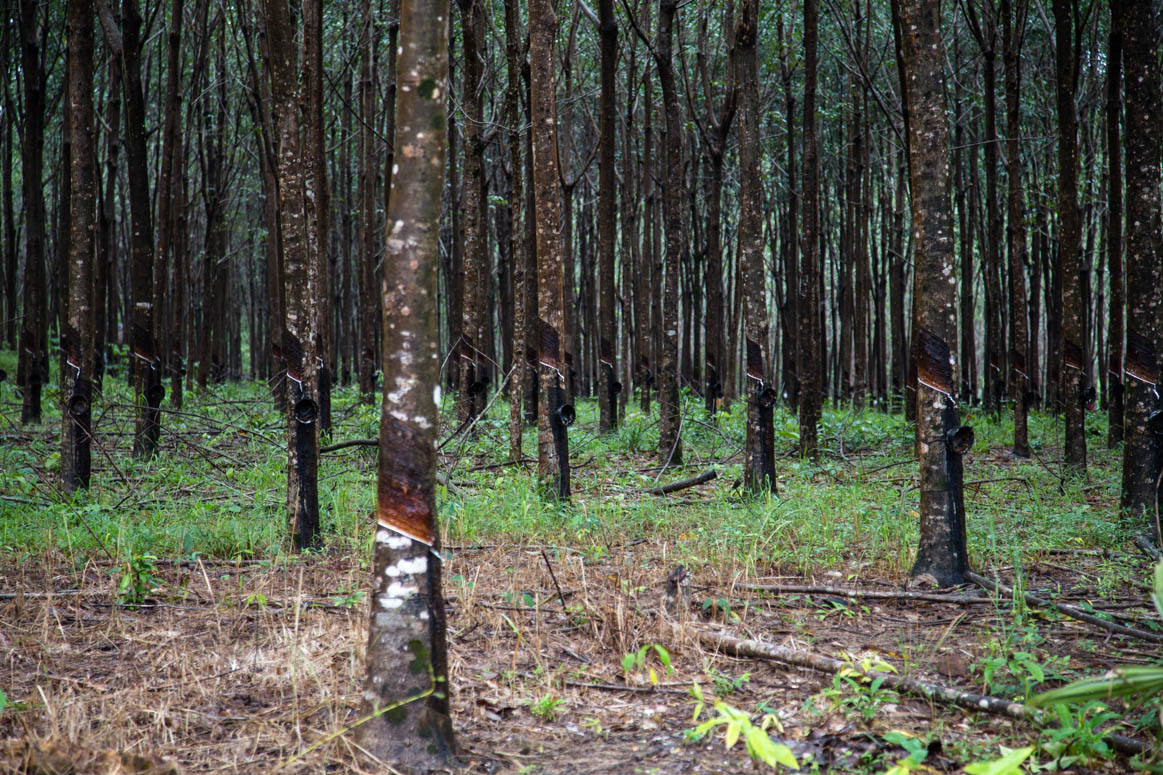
pixel 1008 764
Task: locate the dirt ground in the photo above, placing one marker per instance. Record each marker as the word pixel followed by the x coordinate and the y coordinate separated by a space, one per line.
pixel 238 667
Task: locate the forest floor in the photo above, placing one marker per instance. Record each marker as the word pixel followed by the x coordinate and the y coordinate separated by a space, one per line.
pixel 157 623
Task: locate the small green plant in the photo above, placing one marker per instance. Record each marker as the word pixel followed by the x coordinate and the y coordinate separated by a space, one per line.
pixel 1022 666
pixel 547 707
pixel 917 749
pixel 859 687
pixel 137 579
pixel 348 598
pixel 636 661
pixel 256 599
pixel 1009 763
pixel 738 725
pixel 725 685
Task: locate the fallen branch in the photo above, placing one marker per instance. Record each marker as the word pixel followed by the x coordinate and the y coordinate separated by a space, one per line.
pixel 682 484
pixel 351 443
pixel 930 691
pixel 1068 610
pixel 869 594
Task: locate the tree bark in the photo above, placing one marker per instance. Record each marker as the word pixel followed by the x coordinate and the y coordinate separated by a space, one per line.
pixel 1114 188
pixel 472 367
pixel 517 232
pixel 808 339
pixel 553 414
pixel 1073 335
pixel 1141 464
pixel 299 341
pixel 759 463
pixel 670 413
pixel 33 364
pixel 608 386
pixel 942 552
pixel 369 299
pixel 77 369
pixel 407 653
pixel 1014 18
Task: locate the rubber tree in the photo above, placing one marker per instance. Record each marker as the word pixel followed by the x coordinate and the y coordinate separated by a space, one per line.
pixel 670 417
pixel 1013 15
pixel 1073 332
pixel 553 414
pixel 406 692
pixel 810 352
pixel 942 553
pixel 300 337
pixel 759 463
pixel 77 364
pixel 32 370
pixel 608 386
pixel 1143 423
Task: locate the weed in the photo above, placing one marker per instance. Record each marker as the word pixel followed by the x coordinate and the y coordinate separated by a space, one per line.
pixel 137 579
pixel 546 708
pixel 738 724
pixel 859 687
pixel 637 660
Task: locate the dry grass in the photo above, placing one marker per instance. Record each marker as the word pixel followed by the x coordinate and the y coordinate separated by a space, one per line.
pixel 237 668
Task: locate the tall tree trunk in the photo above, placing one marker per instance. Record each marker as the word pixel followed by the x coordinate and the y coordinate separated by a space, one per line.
pixel 554 415
pixel 407 652
pixel 670 413
pixel 77 369
pixel 1114 189
pixel 759 463
pixel 125 43
pixel 471 346
pixel 1073 315
pixel 317 193
pixel 33 365
pixel 810 350
pixel 1014 18
pixel 942 552
pixel 167 211
pixel 790 315
pixel 299 345
pixel 1142 422
pixel 608 384
pixel 523 373
pixel 369 299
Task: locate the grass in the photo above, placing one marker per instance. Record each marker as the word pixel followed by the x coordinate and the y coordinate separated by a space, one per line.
pixel 217 487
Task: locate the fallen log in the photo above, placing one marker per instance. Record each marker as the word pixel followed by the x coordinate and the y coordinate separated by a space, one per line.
pixel 682 484
pixel 935 692
pixel 1067 609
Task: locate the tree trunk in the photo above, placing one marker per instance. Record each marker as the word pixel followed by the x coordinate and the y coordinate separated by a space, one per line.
pixel 1114 189
pixel 471 347
pixel 1141 464
pixel 942 552
pixel 407 653
pixel 167 212
pixel 33 366
pixel 810 350
pixel 554 415
pixel 608 385
pixel 670 413
pixel 759 463
pixel 77 369
pixel 522 373
pixel 299 345
pixel 1014 18
pixel 1069 239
